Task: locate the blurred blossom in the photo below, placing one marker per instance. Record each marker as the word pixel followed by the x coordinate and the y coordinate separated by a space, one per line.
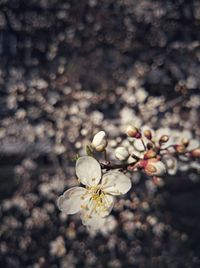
pixel 57 247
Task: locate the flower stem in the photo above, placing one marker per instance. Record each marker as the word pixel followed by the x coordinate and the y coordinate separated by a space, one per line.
pixel 143 143
pixel 106 157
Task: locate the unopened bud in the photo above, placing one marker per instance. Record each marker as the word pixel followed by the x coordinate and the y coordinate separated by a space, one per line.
pixel 180 149
pixel 195 152
pixel 148 134
pixel 149 145
pixel 133 132
pixel 121 153
pixel 185 142
pixel 150 154
pixel 150 169
pixel 164 138
pixel 99 141
pixel 155 167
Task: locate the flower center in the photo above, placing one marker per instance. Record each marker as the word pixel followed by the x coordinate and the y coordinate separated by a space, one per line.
pixel 98 202
pixel 98 197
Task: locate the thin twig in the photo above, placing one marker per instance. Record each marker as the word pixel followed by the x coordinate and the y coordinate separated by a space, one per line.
pixel 117 166
pixel 106 156
pixel 143 143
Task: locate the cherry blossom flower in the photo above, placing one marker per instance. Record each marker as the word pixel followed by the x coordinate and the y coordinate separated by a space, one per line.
pixel 95 201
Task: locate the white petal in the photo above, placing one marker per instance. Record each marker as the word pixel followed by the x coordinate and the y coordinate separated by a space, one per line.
pixel 88 170
pixel 71 200
pixel 134 152
pixel 193 144
pixel 171 164
pixel 131 160
pixel 105 209
pixel 161 168
pixel 115 183
pixel 121 153
pixel 93 223
pixel 102 206
pixel 138 145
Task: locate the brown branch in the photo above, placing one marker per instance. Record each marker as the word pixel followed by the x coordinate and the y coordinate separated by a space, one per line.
pixel 117 166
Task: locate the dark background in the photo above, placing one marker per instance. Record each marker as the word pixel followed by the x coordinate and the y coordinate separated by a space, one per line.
pixel 84 51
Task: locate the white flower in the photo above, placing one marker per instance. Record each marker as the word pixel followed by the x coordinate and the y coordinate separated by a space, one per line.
pixel 99 141
pixel 141 94
pixel 57 247
pixel 96 200
pixel 121 153
pixel 128 116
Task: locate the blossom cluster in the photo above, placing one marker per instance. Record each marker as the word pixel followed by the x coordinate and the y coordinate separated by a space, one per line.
pixel 153 153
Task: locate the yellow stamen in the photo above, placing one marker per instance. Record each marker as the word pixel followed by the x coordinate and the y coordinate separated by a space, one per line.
pixel 98 202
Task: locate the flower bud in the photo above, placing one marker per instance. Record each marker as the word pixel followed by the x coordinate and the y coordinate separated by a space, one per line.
pixel 150 170
pixel 160 168
pixel 180 149
pixel 185 142
pixel 121 153
pixel 148 134
pixel 195 152
pixel 164 138
pixel 99 141
pixel 133 132
pixel 149 145
pixel 154 167
pixel 150 154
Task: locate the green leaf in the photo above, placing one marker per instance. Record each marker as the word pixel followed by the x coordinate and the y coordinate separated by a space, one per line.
pixel 76 157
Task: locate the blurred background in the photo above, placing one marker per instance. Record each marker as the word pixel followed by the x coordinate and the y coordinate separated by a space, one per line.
pixel 67 70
